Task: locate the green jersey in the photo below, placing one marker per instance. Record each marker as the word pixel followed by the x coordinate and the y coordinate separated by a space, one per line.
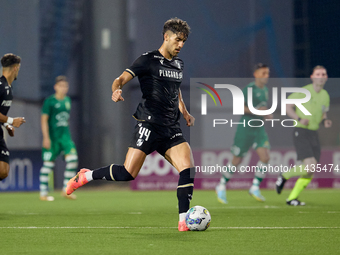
pixel 317 106
pixel 260 98
pixel 58 112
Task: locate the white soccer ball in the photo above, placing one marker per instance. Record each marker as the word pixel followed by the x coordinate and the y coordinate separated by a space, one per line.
pixel 197 218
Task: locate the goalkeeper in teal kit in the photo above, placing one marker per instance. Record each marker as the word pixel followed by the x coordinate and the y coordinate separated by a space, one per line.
pixel 57 138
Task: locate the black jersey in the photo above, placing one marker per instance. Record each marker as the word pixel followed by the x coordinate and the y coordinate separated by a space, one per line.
pixel 6 98
pixel 159 80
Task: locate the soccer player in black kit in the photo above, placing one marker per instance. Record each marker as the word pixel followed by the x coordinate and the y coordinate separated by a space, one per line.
pixel 160 74
pixel 10 69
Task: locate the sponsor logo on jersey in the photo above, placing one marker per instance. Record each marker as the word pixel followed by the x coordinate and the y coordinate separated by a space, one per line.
pixel 171 74
pixel 62 119
pixel 6 103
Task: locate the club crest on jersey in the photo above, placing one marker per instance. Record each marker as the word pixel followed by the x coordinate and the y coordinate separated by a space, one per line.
pixel 161 60
pixel 178 64
pixel 67 105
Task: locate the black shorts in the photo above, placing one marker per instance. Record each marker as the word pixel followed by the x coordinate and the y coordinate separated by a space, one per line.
pixel 4 152
pixel 149 137
pixel 306 143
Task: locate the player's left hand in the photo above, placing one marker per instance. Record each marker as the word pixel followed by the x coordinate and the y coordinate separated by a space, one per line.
pixel 10 130
pixel 190 120
pixel 328 123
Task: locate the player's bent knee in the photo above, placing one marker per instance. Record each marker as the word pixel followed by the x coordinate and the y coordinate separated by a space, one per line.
pixel 265 160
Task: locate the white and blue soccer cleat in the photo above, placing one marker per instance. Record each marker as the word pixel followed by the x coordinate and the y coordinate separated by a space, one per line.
pixel 221 192
pixel 255 193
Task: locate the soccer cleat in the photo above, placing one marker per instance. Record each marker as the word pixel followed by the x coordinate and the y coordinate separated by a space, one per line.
pixel 295 202
pixel 280 182
pixel 256 193
pixel 71 197
pixel 77 181
pixel 221 193
pixel 46 198
pixel 182 226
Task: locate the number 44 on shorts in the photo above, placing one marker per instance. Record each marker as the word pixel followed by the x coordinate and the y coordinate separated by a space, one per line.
pixel 144 132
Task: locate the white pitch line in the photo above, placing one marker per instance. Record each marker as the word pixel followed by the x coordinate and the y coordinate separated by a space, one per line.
pixel 33 227
pixel 247 207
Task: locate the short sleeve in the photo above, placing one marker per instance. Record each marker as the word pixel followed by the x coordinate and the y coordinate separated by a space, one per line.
pixel 296 95
pixel 2 90
pixel 46 107
pixel 140 66
pixel 326 102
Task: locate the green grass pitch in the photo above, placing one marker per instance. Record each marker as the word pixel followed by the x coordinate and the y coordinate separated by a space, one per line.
pixel 128 222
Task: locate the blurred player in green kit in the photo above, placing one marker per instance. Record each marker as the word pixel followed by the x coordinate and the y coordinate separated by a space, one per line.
pixel 57 138
pixel 247 136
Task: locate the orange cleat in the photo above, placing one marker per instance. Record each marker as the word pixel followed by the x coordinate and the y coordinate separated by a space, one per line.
pixel 182 226
pixel 77 181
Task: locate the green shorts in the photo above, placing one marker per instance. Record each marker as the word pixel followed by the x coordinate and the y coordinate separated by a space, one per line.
pixel 65 147
pixel 247 137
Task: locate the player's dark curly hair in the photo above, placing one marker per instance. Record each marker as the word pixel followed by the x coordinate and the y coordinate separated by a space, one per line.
pixel 177 26
pixel 259 66
pixel 10 59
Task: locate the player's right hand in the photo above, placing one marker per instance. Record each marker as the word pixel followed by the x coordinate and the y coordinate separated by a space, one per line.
pixel 304 122
pixel 18 121
pixel 46 143
pixel 117 95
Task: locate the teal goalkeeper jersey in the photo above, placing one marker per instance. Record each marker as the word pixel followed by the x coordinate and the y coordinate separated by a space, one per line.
pixel 58 112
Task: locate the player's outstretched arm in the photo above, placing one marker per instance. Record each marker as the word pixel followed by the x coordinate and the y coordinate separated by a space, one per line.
pixel 187 116
pixel 118 84
pixel 45 132
pixel 16 122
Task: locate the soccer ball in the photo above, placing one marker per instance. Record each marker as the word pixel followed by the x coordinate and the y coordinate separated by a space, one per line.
pixel 197 218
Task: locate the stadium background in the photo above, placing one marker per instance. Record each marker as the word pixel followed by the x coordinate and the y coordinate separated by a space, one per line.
pixel 92 42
